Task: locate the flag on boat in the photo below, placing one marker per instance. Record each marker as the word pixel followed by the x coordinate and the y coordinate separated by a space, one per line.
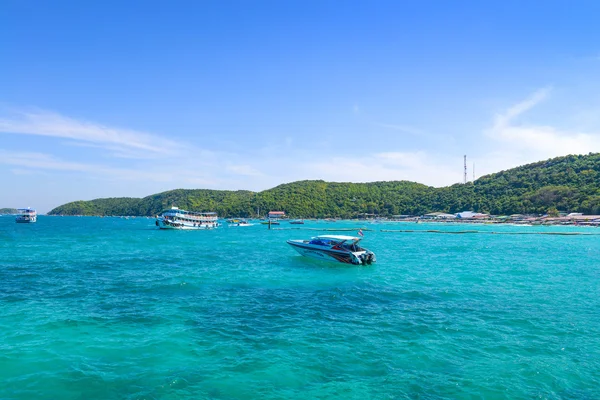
pixel 360 232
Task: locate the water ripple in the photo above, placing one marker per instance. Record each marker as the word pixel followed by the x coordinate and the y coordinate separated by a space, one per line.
pixel 108 308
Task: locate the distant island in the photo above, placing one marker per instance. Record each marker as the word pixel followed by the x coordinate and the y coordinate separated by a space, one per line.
pixel 4 211
pixel 570 183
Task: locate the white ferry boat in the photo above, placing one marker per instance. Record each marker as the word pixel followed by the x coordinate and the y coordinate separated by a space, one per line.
pixel 26 215
pixel 189 220
pixel 344 249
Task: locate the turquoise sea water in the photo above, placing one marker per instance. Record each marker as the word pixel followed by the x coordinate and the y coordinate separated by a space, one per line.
pixel 101 308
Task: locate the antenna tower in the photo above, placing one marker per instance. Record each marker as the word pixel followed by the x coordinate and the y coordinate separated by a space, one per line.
pixel 473 172
pixel 465 169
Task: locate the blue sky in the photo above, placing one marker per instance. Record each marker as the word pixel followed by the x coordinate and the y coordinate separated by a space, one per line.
pixel 112 98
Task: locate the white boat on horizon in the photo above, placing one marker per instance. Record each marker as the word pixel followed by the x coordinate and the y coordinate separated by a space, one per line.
pixel 270 222
pixel 186 220
pixel 340 248
pixel 26 215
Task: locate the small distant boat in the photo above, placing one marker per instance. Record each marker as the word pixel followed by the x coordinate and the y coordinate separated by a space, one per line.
pixel 26 215
pixel 344 249
pixel 270 221
pixel 240 222
pixel 187 220
pixel 297 221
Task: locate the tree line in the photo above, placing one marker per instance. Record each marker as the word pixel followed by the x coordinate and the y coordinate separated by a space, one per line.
pixel 570 183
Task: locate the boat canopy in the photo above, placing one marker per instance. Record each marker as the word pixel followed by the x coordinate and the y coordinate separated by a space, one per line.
pixel 339 237
pixel 179 211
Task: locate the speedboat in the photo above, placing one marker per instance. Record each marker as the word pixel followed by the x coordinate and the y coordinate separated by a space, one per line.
pixel 344 249
pixel 26 215
pixel 189 220
pixel 240 222
pixel 270 222
pixel 297 222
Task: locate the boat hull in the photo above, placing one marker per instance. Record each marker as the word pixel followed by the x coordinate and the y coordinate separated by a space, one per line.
pixel 25 220
pixel 320 253
pixel 166 224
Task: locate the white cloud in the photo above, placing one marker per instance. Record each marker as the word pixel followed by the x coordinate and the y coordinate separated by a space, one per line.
pixel 25 171
pixel 402 159
pixel 405 129
pixel 40 163
pixel 519 108
pixel 506 143
pixel 246 170
pixel 546 141
pixel 123 142
pixel 513 143
pixel 32 160
pixel 417 166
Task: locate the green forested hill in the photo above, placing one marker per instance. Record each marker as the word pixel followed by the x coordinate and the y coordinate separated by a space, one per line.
pixel 570 183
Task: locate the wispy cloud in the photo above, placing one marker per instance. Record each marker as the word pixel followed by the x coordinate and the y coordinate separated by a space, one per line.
pixel 531 142
pixel 40 163
pixel 245 170
pixel 403 128
pixel 32 160
pixel 514 111
pixel 25 171
pixel 419 166
pixel 413 131
pixel 506 142
pixel 121 142
pixel 402 159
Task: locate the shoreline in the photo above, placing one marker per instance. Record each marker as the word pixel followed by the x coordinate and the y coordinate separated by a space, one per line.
pixel 592 221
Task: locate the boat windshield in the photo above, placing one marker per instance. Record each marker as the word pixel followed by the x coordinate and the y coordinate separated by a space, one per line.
pixel 26 211
pixel 352 247
pixel 323 242
pixel 337 244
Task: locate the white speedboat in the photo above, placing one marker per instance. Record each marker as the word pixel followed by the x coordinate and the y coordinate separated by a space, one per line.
pixel 344 249
pixel 26 215
pixel 188 220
